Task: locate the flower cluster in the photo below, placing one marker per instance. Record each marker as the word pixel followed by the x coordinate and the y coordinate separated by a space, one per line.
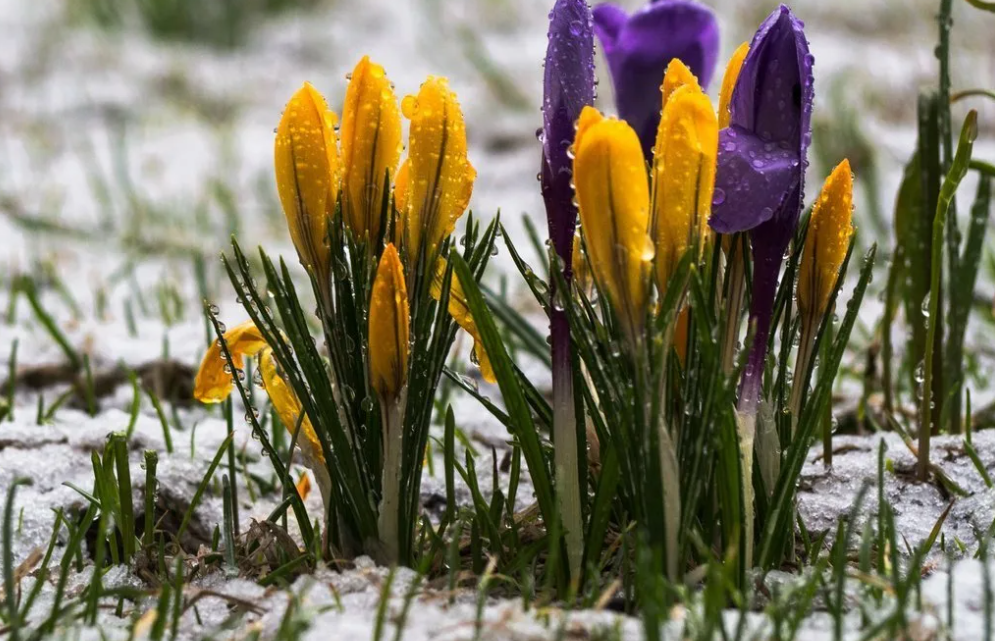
pixel 371 232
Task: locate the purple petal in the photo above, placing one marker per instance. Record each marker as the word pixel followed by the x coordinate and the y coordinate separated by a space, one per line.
pixel 638 50
pixel 752 180
pixel 568 88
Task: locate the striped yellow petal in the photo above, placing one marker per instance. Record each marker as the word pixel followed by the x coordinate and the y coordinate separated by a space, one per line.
pixel 290 410
pixel 371 146
pixel 683 177
pixel 677 75
pixel 460 312
pixel 307 165
pixel 613 198
pixel 440 178
pixel 729 82
pixel 389 326
pixel 213 383
pixel 826 242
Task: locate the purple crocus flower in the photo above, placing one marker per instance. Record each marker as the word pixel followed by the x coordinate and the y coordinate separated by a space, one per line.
pixel 568 87
pixel 639 48
pixel 760 179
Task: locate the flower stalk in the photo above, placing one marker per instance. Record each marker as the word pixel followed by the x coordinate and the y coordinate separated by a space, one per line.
pixel 568 87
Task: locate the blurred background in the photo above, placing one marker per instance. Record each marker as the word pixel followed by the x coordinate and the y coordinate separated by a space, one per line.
pixel 136 135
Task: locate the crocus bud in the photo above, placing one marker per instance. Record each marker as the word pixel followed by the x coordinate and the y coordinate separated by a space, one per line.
pixel 729 82
pixel 568 87
pixel 613 198
pixel 683 177
pixel 213 383
pixel 371 147
pixel 826 242
pixel 307 175
pixel 676 76
pixel 440 178
pixel 460 312
pixel 389 326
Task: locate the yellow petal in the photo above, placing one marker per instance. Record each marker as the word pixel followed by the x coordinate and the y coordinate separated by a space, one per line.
pixel 440 178
pixel 303 486
pixel 307 175
pixel 371 146
pixel 401 202
pixel 389 326
pixel 289 408
pixel 677 75
pixel 213 384
pixel 460 312
pixel 613 198
pixel 683 177
pixel 826 242
pixel 729 82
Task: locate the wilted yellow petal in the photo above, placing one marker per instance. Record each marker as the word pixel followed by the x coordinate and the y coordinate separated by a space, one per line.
pixel 613 198
pixel 371 146
pixel 460 312
pixel 307 175
pixel 440 178
pixel 826 242
pixel 677 75
pixel 303 486
pixel 683 177
pixel 389 326
pixel 213 384
pixel 289 408
pixel 729 82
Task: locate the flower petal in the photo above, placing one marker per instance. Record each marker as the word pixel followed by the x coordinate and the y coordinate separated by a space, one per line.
pixel 683 177
pixel 729 82
pixel 308 169
pixel 613 196
pixel 460 312
pixel 389 326
pixel 826 242
pixel 568 87
pixel 440 178
pixel 639 50
pixel 213 384
pixel 289 408
pixel 371 146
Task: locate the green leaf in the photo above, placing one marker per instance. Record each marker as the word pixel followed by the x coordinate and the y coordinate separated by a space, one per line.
pixel 511 391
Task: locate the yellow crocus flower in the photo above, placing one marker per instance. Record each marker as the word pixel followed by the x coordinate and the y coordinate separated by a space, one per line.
pixel 389 326
pixel 683 177
pixel 439 177
pixel 613 198
pixel 729 82
pixel 308 170
pixel 371 146
pixel 826 242
pixel 460 312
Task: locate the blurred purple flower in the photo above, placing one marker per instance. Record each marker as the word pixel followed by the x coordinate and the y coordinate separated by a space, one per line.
pixel 760 180
pixel 639 48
